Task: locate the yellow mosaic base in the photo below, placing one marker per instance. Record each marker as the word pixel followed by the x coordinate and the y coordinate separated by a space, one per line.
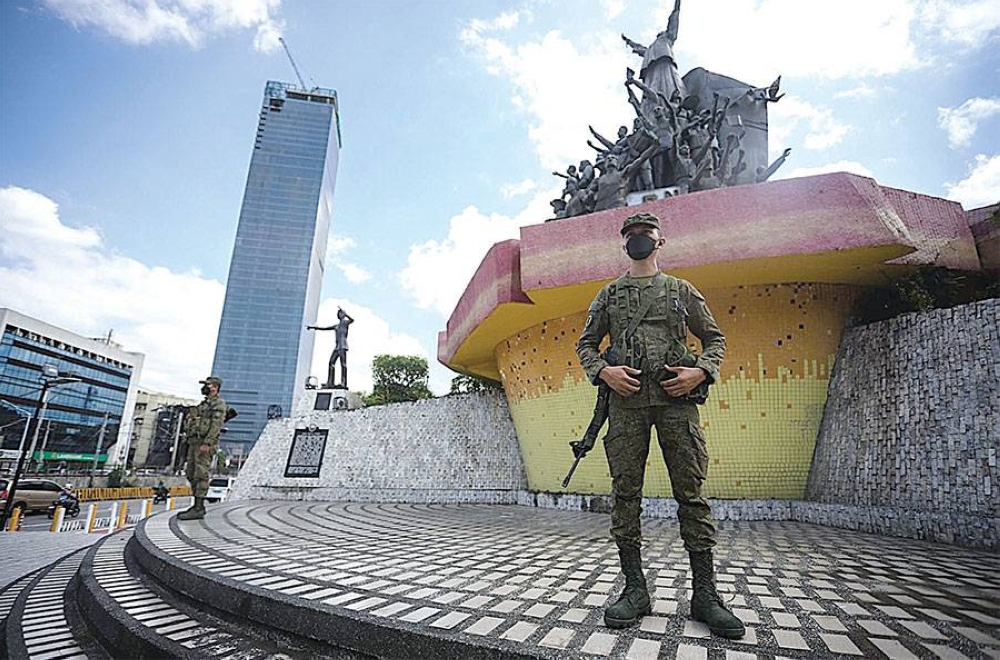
pixel 761 420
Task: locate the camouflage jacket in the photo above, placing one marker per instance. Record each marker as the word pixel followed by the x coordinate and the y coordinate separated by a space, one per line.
pixel 204 422
pixel 659 338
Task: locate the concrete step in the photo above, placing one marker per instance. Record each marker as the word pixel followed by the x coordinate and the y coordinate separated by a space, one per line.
pixel 136 617
pixel 319 578
pixel 10 593
pixel 43 622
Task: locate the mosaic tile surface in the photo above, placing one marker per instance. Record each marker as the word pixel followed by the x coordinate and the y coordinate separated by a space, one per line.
pixel 535 581
pixel 761 420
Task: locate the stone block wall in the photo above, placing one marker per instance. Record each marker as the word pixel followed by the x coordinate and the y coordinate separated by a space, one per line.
pixel 911 430
pixel 451 449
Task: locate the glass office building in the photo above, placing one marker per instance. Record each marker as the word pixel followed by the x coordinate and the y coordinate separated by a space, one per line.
pixel 264 352
pixel 70 431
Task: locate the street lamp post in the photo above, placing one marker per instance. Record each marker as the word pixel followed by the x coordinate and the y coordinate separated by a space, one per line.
pixel 50 379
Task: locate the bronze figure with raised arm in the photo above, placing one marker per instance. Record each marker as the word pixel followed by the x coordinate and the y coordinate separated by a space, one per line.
pixel 340 349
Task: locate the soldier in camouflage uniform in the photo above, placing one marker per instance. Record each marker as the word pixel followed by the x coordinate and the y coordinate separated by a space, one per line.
pixel 647 315
pixel 202 426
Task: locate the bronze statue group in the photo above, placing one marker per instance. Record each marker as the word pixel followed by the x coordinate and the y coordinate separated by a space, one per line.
pixel 682 140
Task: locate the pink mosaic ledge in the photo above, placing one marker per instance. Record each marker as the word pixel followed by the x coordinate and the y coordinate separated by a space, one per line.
pixel 826 214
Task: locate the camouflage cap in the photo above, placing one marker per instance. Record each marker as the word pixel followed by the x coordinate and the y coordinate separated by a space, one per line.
pixel 647 219
pixel 212 380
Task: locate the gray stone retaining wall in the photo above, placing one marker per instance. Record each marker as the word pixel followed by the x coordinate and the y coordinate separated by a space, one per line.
pixel 450 449
pixel 911 431
pixel 907 447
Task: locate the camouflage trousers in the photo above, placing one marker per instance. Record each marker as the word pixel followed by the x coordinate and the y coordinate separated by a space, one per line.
pixel 198 468
pixel 684 451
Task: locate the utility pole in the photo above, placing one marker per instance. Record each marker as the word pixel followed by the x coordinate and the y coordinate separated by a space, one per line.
pixel 45 442
pixel 39 418
pixel 97 450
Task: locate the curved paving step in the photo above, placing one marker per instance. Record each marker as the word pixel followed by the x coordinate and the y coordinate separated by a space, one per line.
pixel 10 593
pixel 469 581
pixel 43 623
pixel 136 618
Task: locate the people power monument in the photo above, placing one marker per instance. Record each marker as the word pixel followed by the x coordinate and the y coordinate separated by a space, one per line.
pixel 693 132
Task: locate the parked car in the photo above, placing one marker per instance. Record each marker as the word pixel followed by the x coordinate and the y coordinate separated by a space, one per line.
pixel 218 489
pixel 33 494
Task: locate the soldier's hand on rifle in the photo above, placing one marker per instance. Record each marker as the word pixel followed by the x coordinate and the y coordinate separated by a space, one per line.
pixel 581 447
pixel 204 449
pixel 621 379
pixel 687 379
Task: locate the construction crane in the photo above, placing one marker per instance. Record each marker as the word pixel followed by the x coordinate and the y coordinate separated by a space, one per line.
pixel 292 60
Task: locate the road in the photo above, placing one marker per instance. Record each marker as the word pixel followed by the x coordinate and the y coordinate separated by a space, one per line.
pixel 39 522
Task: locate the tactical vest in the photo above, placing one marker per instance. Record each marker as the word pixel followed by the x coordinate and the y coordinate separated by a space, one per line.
pixel 666 311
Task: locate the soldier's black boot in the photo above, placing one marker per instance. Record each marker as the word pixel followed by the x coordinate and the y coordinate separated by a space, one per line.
pixel 634 601
pixel 196 512
pixel 706 605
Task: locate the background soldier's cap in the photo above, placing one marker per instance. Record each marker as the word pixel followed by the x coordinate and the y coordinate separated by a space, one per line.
pixel 212 380
pixel 647 219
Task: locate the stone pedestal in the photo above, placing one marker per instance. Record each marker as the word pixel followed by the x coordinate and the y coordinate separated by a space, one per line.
pixel 330 399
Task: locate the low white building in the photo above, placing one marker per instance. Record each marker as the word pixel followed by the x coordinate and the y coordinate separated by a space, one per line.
pixel 94 413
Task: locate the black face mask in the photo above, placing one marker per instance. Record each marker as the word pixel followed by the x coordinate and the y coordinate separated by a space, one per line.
pixel 639 246
pixel 206 390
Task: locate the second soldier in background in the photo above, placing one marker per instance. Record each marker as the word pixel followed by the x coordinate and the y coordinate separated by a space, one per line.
pixel 202 426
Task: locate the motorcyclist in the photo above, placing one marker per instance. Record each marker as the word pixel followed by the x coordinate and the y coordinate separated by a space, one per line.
pixel 160 493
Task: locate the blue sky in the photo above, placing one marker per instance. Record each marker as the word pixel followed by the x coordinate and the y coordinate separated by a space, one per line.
pixel 126 129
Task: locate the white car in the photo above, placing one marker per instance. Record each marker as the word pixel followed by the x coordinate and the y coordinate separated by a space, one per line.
pixel 218 489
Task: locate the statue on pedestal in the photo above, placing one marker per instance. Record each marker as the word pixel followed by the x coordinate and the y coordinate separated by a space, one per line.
pixel 659 68
pixel 339 351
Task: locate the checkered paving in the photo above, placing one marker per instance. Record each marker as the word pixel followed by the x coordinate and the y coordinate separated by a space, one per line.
pixel 535 581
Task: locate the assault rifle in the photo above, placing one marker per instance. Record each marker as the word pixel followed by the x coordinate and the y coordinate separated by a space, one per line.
pixel 584 445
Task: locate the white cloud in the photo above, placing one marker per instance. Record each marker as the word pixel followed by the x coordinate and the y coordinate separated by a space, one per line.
pixel 961 123
pixel 862 91
pixel 613 8
pixel 142 22
pixel 507 20
pixel 337 245
pixel 752 39
pixel 437 272
pixel 369 335
pixel 517 189
pixel 968 23
pixel 851 166
pixel 981 187
pixel 820 128
pixel 67 276
pixel 562 88
pixel 355 274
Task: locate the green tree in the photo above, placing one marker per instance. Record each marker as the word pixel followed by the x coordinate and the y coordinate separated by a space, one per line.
pixel 397 378
pixel 118 479
pixel 463 384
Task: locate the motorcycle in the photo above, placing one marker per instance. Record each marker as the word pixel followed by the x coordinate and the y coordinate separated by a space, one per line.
pixel 67 501
pixel 160 494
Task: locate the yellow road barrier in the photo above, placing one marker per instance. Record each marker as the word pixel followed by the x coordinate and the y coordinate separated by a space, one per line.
pixel 14 524
pixel 57 519
pixel 139 493
pixel 91 518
